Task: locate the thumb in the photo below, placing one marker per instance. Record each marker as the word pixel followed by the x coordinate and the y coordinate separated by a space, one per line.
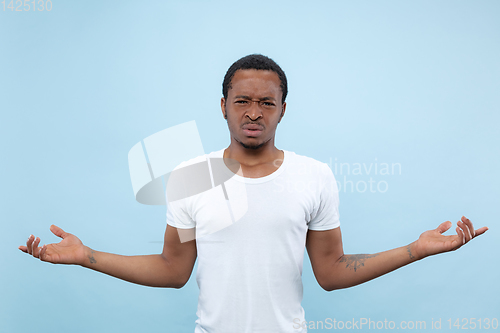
pixel 58 231
pixel 443 227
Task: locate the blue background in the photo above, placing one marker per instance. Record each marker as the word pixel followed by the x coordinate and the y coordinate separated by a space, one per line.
pixel 415 83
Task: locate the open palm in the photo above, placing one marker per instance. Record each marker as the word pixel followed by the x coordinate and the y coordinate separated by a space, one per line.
pixel 70 250
pixel 434 242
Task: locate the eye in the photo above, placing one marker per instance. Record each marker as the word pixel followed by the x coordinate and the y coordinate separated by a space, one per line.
pixel 241 102
pixel 268 104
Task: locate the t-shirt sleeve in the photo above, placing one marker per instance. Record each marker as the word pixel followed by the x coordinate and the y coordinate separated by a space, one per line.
pixel 178 216
pixel 326 213
pixel 178 210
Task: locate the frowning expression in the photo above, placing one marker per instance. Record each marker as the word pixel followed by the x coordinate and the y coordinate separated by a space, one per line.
pixel 253 107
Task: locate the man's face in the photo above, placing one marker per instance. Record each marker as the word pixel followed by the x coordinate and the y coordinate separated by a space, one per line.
pixel 253 107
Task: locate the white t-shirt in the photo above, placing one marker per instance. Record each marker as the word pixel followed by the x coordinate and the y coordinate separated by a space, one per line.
pixel 250 265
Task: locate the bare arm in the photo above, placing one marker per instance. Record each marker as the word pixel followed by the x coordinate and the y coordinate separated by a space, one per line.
pixel 171 269
pixel 335 270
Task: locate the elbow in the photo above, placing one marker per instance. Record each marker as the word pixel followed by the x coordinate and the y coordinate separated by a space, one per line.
pixel 174 276
pixel 332 287
pixel 329 284
pixel 325 284
pixel 174 286
pixel 175 282
pixel 179 283
pixel 336 285
pixel 328 287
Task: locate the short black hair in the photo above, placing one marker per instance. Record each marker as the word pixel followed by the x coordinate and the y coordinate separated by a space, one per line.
pixel 259 62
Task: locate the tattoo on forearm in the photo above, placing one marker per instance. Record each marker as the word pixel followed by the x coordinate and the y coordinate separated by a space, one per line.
pixel 355 261
pixel 409 252
pixel 91 257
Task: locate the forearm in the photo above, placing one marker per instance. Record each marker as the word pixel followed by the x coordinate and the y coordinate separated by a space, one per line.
pixel 148 270
pixel 354 269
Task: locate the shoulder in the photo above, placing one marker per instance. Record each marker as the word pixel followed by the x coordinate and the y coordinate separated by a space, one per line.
pixel 307 165
pixel 200 158
pixel 303 158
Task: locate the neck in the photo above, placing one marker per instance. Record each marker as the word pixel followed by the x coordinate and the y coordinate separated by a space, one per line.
pixel 253 157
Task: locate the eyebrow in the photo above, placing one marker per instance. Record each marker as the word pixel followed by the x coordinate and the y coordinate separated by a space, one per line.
pixel 262 99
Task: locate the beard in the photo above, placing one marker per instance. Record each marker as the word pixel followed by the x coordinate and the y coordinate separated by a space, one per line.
pixel 253 146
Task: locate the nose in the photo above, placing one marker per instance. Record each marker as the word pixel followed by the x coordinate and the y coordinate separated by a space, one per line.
pixel 254 112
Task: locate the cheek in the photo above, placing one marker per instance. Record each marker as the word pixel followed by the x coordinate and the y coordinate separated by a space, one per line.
pixel 232 123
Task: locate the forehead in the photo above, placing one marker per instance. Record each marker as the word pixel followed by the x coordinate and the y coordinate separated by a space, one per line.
pixel 255 83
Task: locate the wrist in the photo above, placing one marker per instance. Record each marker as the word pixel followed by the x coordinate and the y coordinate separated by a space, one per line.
pixel 88 259
pixel 413 251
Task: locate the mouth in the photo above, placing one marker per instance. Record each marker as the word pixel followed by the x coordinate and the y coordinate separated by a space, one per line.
pixel 252 133
pixel 252 130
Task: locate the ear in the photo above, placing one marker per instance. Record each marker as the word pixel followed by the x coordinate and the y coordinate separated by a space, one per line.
pixel 223 107
pixel 283 107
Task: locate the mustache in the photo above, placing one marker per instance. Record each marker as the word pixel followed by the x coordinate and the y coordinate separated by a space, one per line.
pixel 253 123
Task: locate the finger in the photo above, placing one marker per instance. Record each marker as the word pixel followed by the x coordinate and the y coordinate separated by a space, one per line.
pixel 23 248
pixel 460 235
pixel 468 223
pixel 35 250
pixel 481 231
pixel 466 231
pixel 46 253
pixel 443 227
pixel 29 244
pixel 58 231
pixel 42 255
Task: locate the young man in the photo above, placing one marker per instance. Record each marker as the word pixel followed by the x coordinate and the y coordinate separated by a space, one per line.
pixel 249 272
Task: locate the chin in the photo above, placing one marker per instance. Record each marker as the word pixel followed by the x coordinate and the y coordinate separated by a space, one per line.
pixel 252 145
